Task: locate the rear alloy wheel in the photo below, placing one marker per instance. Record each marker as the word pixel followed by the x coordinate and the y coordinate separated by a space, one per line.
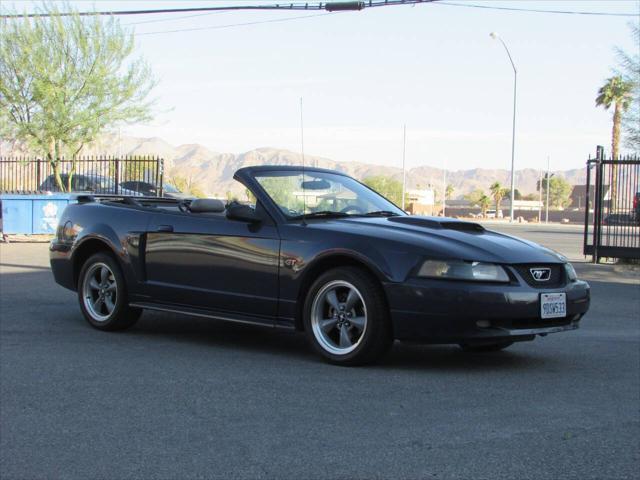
pixel 488 347
pixel 346 318
pixel 102 294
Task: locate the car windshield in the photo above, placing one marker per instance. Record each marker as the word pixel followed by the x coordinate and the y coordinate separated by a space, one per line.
pixel 170 188
pixel 323 194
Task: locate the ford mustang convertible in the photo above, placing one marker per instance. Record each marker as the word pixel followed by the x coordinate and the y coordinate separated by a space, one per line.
pixel 314 250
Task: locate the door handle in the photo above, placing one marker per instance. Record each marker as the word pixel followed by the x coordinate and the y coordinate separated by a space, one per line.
pixel 165 228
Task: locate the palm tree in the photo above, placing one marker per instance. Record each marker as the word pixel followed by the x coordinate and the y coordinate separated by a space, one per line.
pixel 484 203
pixel 449 191
pixel 617 92
pixel 498 194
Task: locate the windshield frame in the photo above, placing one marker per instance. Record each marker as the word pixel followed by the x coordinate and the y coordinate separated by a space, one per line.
pixel 253 173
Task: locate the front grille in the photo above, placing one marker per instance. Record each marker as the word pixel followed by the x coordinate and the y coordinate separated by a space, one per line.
pixel 556 279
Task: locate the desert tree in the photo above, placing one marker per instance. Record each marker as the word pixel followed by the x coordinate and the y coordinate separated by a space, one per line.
pixel 388 187
pixel 616 92
pixel 474 197
pixel 449 191
pixel 629 68
pixel 498 192
pixel 185 183
pixel 485 202
pixel 65 79
pixel 559 192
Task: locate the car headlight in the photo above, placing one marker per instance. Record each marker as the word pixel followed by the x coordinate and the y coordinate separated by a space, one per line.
pixel 571 272
pixel 460 270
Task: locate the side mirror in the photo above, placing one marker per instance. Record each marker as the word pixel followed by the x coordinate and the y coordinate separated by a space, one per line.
pixel 244 213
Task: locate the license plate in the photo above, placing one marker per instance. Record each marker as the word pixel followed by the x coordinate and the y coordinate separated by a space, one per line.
pixel 553 305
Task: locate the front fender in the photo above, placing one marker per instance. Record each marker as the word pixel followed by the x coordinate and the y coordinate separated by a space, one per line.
pixel 307 252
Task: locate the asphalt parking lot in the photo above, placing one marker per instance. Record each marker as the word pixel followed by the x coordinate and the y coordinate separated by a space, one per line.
pixel 180 398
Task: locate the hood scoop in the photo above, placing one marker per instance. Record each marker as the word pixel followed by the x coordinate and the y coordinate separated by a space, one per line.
pixel 438 223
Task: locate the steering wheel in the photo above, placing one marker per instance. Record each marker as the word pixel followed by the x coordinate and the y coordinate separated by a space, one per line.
pixel 355 208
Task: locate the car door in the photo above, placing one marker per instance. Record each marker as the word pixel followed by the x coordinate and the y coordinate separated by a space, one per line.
pixel 211 262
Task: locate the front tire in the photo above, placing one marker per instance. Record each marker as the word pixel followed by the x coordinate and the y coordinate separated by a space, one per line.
pixel 346 317
pixel 102 294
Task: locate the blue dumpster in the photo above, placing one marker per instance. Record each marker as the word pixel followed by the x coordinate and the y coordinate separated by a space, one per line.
pixel 33 214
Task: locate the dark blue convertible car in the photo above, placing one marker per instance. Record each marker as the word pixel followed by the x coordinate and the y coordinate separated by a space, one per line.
pixel 314 250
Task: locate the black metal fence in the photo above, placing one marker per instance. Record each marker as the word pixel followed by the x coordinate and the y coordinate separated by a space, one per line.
pixel 135 175
pixel 612 218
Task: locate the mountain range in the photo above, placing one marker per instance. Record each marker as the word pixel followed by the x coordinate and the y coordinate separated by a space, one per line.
pixel 213 171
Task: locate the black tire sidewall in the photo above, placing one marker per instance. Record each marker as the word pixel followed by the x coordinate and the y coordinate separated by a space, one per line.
pixel 377 336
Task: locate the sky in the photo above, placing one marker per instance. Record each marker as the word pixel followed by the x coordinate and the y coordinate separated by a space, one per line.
pixel 363 75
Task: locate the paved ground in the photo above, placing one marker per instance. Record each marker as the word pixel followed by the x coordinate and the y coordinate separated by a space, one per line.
pixel 179 398
pixel 567 239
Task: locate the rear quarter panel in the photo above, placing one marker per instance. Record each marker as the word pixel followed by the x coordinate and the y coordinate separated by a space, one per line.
pixel 120 229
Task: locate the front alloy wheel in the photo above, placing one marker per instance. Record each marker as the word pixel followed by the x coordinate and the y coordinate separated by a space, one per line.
pixel 346 317
pixel 339 317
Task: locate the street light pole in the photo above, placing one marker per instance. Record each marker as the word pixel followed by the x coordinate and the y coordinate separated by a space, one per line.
pixel 540 204
pixel 546 218
pixel 444 190
pixel 404 171
pixel 495 36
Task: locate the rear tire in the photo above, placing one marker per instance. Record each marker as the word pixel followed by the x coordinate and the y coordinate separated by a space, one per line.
pixel 491 347
pixel 102 294
pixel 346 318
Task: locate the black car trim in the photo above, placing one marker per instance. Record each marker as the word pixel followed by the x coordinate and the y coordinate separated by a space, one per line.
pixel 204 313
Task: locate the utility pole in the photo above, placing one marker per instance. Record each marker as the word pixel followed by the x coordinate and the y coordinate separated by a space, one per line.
pixel 540 199
pixel 404 172
pixel 444 189
pixel 301 133
pixel 546 220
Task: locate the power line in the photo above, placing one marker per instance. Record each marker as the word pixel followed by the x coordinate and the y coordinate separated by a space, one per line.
pixel 326 6
pixel 218 27
pixel 534 10
pixel 315 6
pixel 157 20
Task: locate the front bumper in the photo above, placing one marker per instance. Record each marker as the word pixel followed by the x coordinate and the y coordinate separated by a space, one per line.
pixel 437 311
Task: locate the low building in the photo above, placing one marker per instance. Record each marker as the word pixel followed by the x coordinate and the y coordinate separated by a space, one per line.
pixel 527 205
pixel 421 202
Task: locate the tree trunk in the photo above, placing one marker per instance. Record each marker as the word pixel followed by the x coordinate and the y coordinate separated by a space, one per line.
pixel 53 158
pixel 72 170
pixel 615 145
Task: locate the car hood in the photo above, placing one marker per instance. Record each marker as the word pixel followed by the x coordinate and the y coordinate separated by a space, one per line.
pixel 444 238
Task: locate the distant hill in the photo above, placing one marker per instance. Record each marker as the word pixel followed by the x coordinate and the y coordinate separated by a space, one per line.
pixel 213 171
